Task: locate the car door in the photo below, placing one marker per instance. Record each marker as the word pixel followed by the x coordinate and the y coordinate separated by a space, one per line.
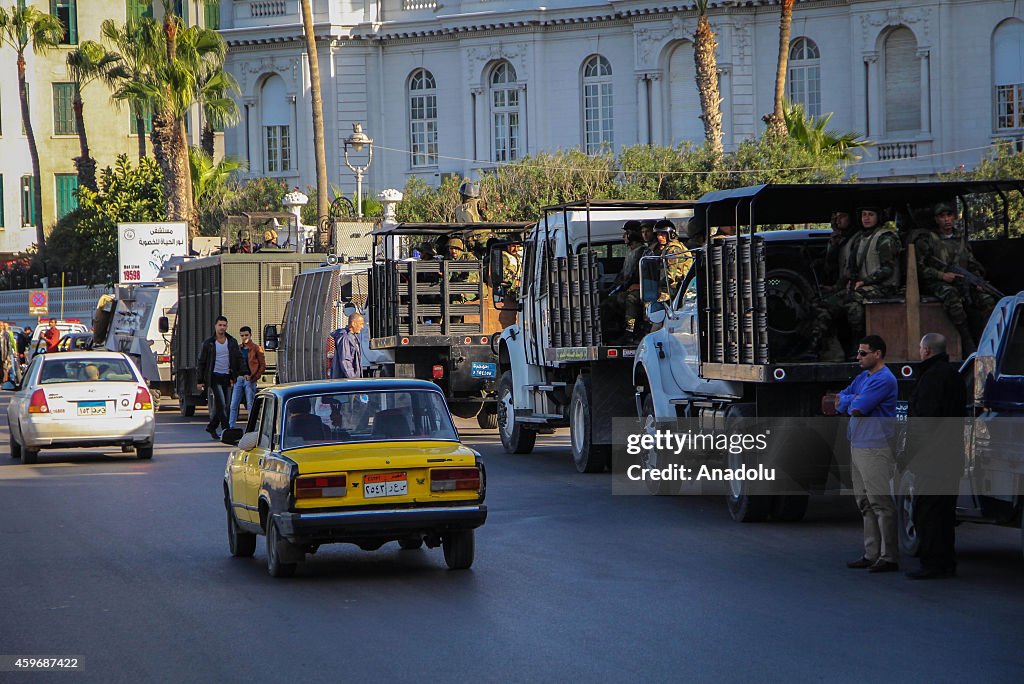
pixel 238 469
pixel 18 408
pixel 254 465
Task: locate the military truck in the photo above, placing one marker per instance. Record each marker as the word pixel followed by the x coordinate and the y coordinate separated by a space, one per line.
pixel 735 335
pixel 561 364
pixel 249 289
pixel 435 315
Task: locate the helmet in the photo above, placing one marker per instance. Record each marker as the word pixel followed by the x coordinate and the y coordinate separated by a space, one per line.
pixel 664 226
pixel 457 242
pixel 631 224
pixel 879 210
pixel 468 189
pixel 270 235
pixel 943 207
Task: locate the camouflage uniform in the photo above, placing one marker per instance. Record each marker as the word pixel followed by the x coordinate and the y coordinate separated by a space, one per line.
pixel 967 307
pixel 676 268
pixel 626 302
pixel 874 261
pixel 511 269
pixel 468 211
pixel 472 277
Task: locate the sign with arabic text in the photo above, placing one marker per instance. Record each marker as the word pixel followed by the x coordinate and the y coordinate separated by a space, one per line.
pixel 143 248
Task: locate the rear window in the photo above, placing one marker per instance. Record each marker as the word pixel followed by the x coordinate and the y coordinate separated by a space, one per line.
pixel 86 370
pixel 346 417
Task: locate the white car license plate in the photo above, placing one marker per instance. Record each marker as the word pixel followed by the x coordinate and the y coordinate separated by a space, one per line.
pixel 385 484
pixel 92 408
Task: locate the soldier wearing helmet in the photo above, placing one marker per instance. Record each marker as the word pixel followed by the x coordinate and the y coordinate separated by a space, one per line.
pixel 677 259
pixel 623 302
pixel 456 251
pixel 937 250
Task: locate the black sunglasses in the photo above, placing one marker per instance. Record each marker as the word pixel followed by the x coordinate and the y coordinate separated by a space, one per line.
pixel 861 352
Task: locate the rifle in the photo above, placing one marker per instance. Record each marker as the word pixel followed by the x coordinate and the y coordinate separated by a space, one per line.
pixel 969 279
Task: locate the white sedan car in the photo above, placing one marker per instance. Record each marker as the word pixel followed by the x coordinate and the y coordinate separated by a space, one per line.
pixel 81 399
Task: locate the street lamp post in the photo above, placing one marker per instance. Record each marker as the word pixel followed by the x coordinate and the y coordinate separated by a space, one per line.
pixel 356 141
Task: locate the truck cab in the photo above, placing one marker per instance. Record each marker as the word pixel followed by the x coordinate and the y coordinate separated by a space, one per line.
pixel 735 335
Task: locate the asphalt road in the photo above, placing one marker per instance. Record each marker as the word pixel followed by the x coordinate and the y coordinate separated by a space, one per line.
pixel 124 564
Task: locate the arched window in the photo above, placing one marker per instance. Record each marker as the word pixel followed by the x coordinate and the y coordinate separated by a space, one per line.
pixel 804 76
pixel 423 118
pixel 597 104
pixel 275 120
pixel 1008 74
pixel 505 130
pixel 902 82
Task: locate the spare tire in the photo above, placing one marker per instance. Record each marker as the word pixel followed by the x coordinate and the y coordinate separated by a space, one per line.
pixel 791 311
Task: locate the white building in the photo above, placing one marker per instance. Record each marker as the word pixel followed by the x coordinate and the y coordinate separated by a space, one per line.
pixel 455 86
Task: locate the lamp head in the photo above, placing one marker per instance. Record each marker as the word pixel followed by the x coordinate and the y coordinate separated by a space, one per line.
pixel 358 139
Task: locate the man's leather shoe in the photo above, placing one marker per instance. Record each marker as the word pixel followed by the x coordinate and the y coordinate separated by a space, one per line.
pixel 930 573
pixel 860 563
pixel 884 566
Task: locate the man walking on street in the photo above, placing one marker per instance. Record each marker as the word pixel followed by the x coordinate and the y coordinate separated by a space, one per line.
pixel 938 460
pixel 870 401
pixel 220 362
pixel 348 356
pixel 254 363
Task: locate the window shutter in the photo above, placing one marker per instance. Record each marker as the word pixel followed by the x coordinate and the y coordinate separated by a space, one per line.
pixel 902 83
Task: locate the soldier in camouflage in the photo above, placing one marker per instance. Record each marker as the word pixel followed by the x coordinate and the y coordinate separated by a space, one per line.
pixel 511 269
pixel 837 255
pixel 676 267
pixel 936 251
pixel 624 297
pixel 470 211
pixel 457 252
pixel 872 273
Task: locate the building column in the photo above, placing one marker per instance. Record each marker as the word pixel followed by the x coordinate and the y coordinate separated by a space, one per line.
pixel 657 113
pixel 872 112
pixel 643 116
pixel 926 90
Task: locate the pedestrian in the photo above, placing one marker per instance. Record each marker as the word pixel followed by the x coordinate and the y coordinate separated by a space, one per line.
pixel 254 364
pixel 52 337
pixel 24 340
pixel 8 353
pixel 935 443
pixel 348 356
pixel 870 401
pixel 220 362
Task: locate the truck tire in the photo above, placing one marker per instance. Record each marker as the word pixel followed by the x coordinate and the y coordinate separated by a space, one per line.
pixel 588 457
pixel 910 542
pixel 487 420
pixel 653 458
pixel 744 506
pixel 790 507
pixel 515 437
pixel 186 408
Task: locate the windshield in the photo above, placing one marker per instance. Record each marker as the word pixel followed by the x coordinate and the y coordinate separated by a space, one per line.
pixel 86 370
pixel 347 417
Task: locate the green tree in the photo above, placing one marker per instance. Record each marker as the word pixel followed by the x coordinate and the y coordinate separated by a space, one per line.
pixel 776 120
pixel 135 43
pixel 985 211
pixel 210 184
pixel 812 133
pixel 319 145
pixel 86 239
pixel 89 62
pixel 21 28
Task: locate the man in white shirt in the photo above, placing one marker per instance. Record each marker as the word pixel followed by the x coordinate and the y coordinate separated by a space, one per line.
pixel 220 362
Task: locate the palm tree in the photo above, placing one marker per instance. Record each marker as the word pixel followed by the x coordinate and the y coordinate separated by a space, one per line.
pixel 135 43
pixel 210 179
pixel 319 146
pixel 704 47
pixel 89 62
pixel 21 27
pixel 810 132
pixel 215 89
pixel 776 120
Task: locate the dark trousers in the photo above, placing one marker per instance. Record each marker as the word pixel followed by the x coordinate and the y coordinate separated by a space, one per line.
pixel 935 520
pixel 219 392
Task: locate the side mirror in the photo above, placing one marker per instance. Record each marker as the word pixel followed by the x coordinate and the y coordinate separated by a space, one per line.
pixel 650 278
pixel 504 274
pixel 164 325
pixel 656 312
pixel 231 436
pixel 249 441
pixel 349 309
pixel 270 339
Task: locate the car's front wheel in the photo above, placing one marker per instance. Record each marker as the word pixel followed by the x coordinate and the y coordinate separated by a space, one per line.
pixel 15 448
pixel 459 549
pixel 276 548
pixel 242 544
pixel 516 438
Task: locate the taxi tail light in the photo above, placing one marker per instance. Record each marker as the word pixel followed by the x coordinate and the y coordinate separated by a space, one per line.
pixel 453 479
pixel 320 486
pixel 437 371
pixel 37 404
pixel 143 399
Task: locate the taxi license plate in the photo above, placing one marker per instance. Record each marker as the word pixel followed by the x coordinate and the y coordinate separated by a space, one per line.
pixel 92 408
pixel 385 484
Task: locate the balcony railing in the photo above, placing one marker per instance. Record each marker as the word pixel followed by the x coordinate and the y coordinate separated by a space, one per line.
pixel 267 8
pixel 902 150
pixel 418 4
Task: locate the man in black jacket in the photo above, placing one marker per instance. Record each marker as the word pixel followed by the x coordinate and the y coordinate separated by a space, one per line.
pixel 935 442
pixel 220 362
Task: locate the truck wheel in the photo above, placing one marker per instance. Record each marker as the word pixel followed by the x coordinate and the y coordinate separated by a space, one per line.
pixel 515 437
pixel 186 408
pixel 790 507
pixel 910 542
pixel 653 458
pixel 459 548
pixel 487 420
pixel 744 506
pixel 588 457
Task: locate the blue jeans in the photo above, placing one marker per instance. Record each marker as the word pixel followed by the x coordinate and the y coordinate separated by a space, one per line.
pixel 241 385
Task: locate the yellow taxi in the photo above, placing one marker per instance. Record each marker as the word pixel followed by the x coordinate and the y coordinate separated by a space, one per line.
pixel 364 462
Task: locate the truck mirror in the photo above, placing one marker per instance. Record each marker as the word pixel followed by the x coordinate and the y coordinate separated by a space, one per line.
pixel 656 312
pixel 349 308
pixel 650 277
pixel 270 337
pixel 164 325
pixel 504 274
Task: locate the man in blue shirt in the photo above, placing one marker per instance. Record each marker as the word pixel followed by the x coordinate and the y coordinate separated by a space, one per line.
pixel 870 401
pixel 348 356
